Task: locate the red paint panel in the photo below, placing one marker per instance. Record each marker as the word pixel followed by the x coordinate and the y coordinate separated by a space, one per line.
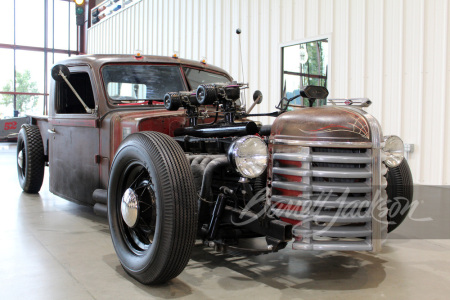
pixel 166 125
pixel 291 163
pixel 291 178
pixel 291 221
pixel 288 192
pixel 288 207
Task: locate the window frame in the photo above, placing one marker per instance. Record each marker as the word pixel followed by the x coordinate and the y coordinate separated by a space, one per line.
pixel 56 106
pixel 114 105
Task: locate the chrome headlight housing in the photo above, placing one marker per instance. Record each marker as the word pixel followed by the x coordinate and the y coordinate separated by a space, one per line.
pixel 393 150
pixel 249 156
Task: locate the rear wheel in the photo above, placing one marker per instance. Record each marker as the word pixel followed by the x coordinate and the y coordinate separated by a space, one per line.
pixel 152 207
pixel 30 159
pixel 400 193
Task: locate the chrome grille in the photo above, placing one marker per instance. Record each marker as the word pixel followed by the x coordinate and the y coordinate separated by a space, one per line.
pixel 326 193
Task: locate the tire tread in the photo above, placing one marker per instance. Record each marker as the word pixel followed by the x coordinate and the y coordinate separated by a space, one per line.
pixel 400 186
pixel 35 159
pixel 178 193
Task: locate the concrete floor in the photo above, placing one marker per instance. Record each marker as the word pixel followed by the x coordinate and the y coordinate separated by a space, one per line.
pixel 55 249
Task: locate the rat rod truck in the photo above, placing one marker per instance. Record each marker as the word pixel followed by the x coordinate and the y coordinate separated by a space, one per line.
pixel 164 147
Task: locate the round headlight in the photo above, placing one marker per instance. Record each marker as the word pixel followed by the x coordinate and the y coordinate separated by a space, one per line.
pixel 249 156
pixel 393 149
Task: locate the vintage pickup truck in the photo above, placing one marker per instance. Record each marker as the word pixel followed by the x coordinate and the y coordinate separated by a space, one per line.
pixel 164 147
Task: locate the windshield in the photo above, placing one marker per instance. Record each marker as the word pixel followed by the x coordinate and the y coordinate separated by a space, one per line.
pixel 141 83
pixel 195 77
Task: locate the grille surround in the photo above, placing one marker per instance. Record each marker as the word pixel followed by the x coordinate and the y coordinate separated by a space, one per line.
pixel 334 204
pixel 331 127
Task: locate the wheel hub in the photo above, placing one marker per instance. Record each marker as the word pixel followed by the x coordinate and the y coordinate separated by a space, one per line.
pixel 130 207
pixel 20 159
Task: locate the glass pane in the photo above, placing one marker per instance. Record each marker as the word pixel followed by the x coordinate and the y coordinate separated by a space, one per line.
pixel 29 79
pixel 127 91
pixel 7 22
pixel 293 86
pixel 60 57
pixel 7 82
pixel 30 23
pixel 50 23
pixel 7 70
pixel 62 24
pixel 127 83
pixel 304 64
pixel 197 77
pixel 73 28
pixel 31 62
pixel 62 18
pixel 291 58
pixel 29 105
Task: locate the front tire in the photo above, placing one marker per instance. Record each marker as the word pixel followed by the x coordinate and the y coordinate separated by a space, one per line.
pixel 400 191
pixel 30 159
pixel 152 207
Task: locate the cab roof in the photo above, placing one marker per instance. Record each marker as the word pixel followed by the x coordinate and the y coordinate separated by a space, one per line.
pixel 98 60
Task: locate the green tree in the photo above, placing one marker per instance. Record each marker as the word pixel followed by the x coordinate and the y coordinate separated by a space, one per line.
pixel 315 64
pixel 24 84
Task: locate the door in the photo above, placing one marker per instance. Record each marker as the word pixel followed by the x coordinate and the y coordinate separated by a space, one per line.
pixel 74 139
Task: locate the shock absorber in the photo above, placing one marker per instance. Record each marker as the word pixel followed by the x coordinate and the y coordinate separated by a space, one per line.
pixel 218 210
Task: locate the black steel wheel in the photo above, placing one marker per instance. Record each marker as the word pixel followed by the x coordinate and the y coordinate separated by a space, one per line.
pixel 400 193
pixel 152 207
pixel 30 159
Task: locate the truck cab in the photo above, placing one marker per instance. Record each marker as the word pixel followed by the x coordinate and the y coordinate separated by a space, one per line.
pixel 125 94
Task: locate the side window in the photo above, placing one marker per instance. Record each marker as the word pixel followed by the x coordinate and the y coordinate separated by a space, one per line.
pixel 68 103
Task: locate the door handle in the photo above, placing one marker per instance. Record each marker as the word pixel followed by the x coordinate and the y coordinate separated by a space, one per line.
pixel 51 130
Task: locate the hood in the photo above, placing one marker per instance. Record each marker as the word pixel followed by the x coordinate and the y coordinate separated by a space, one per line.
pixel 323 124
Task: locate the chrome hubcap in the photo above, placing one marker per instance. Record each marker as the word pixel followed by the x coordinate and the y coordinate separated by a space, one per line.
pixel 130 207
pixel 20 159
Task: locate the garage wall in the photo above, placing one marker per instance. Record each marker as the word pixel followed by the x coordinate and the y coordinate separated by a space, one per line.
pixel 394 52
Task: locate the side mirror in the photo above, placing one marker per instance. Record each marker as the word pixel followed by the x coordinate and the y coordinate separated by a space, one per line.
pixel 314 92
pixel 257 99
pixel 56 75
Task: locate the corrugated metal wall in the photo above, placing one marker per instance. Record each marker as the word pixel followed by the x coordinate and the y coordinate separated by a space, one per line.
pixel 396 52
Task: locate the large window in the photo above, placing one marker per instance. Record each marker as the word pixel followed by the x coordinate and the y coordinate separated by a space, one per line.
pixel 35 35
pixel 304 64
pixel 137 83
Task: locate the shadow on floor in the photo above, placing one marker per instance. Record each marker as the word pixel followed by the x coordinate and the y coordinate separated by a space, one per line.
pixel 293 270
pixel 173 289
pixel 300 270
